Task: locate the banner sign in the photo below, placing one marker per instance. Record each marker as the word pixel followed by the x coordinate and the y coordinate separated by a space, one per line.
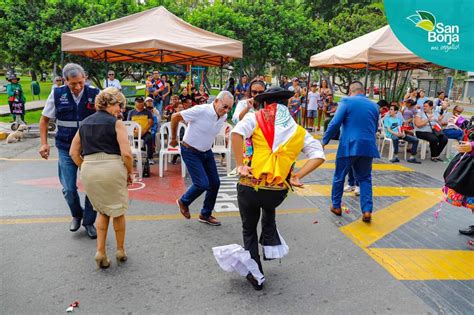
pixel 440 31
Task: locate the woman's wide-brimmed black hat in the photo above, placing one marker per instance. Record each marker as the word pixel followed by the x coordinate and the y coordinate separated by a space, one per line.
pixel 274 93
pixel 12 77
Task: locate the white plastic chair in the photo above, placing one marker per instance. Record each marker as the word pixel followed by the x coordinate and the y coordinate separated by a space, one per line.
pixel 166 150
pixel 424 147
pixel 448 150
pixel 388 139
pixel 135 145
pixel 222 144
pixel 379 135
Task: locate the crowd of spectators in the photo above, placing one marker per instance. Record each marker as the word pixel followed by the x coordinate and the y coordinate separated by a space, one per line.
pixel 417 117
pixel 413 119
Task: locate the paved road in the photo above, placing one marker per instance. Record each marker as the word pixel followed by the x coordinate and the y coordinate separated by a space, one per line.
pixel 405 262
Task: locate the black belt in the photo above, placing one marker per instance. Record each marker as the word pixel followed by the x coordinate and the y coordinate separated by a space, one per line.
pixel 187 146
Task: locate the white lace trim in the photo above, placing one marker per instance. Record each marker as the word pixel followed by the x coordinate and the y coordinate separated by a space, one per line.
pixel 277 251
pixel 234 257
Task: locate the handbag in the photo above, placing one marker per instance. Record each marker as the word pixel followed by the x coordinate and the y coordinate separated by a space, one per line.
pixel 436 132
pixel 459 175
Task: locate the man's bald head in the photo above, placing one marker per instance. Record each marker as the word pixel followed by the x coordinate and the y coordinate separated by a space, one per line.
pixel 356 88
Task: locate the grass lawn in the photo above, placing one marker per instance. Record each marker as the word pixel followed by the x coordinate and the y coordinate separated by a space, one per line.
pixel 31 117
pixel 25 82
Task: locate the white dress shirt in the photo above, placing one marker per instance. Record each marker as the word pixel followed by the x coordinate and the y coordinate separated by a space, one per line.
pixel 203 126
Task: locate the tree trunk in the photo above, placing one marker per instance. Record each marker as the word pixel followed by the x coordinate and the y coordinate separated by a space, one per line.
pixel 34 77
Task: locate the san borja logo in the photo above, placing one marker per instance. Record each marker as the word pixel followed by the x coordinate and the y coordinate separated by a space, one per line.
pixel 438 33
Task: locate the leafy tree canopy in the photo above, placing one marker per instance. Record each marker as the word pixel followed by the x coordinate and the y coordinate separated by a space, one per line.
pixel 275 33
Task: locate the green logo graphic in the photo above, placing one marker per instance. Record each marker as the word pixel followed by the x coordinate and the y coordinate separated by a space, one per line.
pixel 424 20
pixel 438 31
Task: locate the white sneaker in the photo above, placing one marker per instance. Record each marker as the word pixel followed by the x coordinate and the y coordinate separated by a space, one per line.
pixel 357 191
pixel 151 162
pixel 349 188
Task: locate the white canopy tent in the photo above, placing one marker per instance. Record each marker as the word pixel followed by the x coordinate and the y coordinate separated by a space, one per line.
pixel 155 35
pixel 378 50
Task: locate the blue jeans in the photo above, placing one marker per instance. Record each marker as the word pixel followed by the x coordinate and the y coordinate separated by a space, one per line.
pixel 410 139
pixel 362 168
pixel 203 171
pixel 456 134
pixel 159 106
pixel 67 171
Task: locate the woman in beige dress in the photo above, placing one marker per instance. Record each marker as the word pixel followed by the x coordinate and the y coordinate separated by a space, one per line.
pixel 101 150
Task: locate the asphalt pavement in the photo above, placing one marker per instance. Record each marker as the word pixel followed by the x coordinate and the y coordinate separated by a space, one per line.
pixel 405 262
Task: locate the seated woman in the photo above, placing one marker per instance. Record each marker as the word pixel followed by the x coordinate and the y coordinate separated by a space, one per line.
pixel 201 96
pixel 427 127
pixel 452 122
pixel 101 150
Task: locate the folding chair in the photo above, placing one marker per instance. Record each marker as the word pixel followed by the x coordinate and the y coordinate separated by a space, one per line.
pixel 166 150
pixel 135 145
pixel 222 144
pixel 391 148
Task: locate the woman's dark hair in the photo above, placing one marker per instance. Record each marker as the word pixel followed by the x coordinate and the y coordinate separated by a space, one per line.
pixel 252 83
pixel 394 107
pixel 440 92
pixel 410 102
pixel 382 103
pixel 430 103
pixel 324 80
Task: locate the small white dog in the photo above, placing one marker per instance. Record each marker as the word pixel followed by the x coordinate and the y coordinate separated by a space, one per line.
pixel 17 135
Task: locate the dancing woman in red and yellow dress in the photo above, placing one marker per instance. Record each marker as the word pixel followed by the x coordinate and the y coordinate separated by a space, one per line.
pixel 266 172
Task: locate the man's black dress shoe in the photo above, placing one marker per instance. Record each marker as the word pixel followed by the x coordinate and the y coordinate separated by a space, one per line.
pixel 75 224
pixel 468 231
pixel 254 282
pixel 91 231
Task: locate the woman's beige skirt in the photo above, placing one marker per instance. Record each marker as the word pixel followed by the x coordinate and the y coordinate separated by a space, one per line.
pixel 104 177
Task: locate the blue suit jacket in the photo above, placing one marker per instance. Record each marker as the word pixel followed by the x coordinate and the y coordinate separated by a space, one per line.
pixel 359 118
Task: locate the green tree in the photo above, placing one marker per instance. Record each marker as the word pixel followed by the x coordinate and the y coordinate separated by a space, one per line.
pixel 350 23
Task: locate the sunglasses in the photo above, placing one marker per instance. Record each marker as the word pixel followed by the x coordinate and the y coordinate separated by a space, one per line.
pixel 255 92
pixel 111 73
pixel 59 80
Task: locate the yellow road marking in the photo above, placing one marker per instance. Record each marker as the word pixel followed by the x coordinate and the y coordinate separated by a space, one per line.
pixel 375 167
pixel 425 264
pixel 395 215
pixel 387 219
pixel 403 264
pixel 159 217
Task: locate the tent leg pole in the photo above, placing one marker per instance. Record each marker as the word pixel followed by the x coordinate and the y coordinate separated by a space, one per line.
pixel 62 60
pixel 106 70
pixel 241 67
pixel 366 77
pixel 306 99
pixel 404 84
pixel 395 84
pixel 221 88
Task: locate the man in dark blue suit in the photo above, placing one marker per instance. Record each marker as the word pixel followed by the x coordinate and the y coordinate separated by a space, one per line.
pixel 358 117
